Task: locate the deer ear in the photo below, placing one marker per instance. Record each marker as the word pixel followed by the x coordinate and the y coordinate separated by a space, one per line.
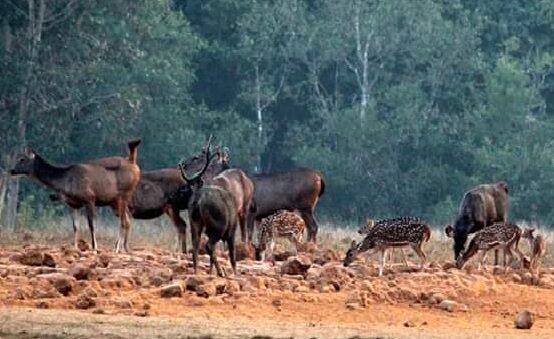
pixel 29 152
pixel 225 154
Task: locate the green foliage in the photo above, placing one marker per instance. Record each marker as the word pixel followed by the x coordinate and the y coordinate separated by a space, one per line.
pixel 402 105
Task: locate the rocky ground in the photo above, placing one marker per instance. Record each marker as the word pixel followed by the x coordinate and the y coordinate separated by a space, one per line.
pixel 61 292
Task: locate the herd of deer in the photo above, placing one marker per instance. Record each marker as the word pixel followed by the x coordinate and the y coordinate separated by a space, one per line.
pixel 218 198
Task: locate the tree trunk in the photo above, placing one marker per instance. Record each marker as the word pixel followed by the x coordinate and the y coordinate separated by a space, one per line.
pixel 12 198
pixel 36 17
pixel 259 113
pixel 3 189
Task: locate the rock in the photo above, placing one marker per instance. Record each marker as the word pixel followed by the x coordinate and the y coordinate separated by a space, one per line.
pixel 437 298
pixel 277 302
pixel 408 294
pixel 524 320
pixel 327 255
pixel 103 260
pixel 244 251
pixel 48 260
pixel 527 278
pixel 283 255
pixel 84 302
pixel 301 289
pixel 296 265
pixel 122 303
pixel 45 292
pixel 171 291
pixel 37 258
pixel 82 245
pixel 206 290
pixel 448 265
pixel 91 292
pixel 353 298
pixel 257 282
pixel 313 272
pixel 353 306
pixel 63 283
pixel 326 289
pixel 448 305
pixel 232 286
pixel 193 282
pixel 160 276
pixel 141 313
pixel 79 272
pixel 409 323
pixel 516 278
pixel 42 305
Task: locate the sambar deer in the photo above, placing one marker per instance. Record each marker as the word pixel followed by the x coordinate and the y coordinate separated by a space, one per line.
pixel 211 209
pixel 481 206
pixel 294 190
pixel 233 180
pixel 103 182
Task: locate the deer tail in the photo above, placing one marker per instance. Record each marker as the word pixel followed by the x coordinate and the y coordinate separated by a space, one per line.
pixel 133 151
pixel 427 235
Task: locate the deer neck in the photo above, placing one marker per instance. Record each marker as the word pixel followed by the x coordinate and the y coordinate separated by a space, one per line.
pixel 48 174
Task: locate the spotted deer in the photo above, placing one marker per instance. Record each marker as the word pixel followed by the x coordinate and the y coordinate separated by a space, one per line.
pixel 387 235
pixel 538 249
pixel 282 224
pixel 400 220
pixel 500 235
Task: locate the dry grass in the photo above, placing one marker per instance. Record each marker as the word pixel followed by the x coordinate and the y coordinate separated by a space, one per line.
pixel 160 234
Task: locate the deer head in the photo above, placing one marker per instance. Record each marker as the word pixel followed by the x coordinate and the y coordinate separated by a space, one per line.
pixel 528 233
pixel 196 180
pixel 351 254
pixel 25 163
pixel 365 228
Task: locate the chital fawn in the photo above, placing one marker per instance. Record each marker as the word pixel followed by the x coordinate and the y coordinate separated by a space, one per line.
pixel 538 249
pixel 503 236
pixel 395 221
pixel 384 236
pixel 282 224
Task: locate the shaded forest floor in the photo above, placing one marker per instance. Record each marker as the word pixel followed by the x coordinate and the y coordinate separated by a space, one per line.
pixel 49 290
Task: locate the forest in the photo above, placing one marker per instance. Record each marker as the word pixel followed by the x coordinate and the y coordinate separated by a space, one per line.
pixel 402 105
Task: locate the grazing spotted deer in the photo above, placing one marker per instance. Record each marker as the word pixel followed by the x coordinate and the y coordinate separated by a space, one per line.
pixel 395 221
pixel 282 224
pixel 538 249
pixel 391 235
pixel 500 235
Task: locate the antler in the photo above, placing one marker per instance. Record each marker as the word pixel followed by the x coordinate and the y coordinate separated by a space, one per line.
pixel 199 174
pixel 208 143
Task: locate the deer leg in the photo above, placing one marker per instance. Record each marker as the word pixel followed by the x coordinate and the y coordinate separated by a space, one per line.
pixel 483 256
pixel 389 252
pixel 232 256
pixel 507 253
pixel 74 217
pixel 419 251
pixel 242 224
pixel 519 253
pixel 250 221
pixel 181 227
pixel 124 226
pixel 195 237
pixel 210 247
pixel 90 218
pixel 382 254
pixel 311 224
